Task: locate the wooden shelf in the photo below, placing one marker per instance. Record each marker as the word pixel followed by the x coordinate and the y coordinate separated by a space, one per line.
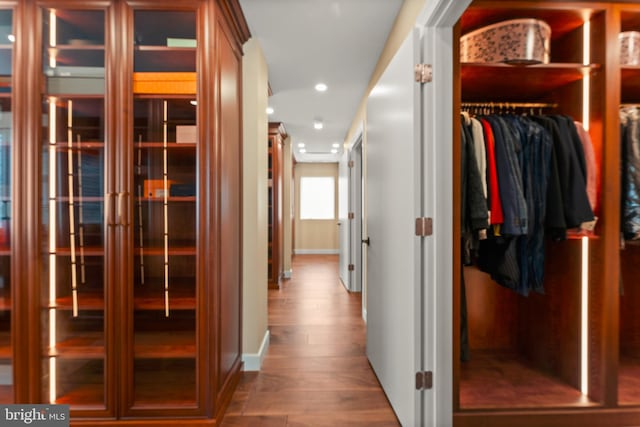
pixel 171 145
pixel 176 251
pixel 147 297
pixel 87 199
pixel 88 251
pixel 167 345
pixel 170 199
pixel 172 49
pixel 147 345
pixel 5 250
pixel 479 79
pixel 87 346
pixel 5 345
pixel 5 303
pixel 84 47
pixel 630 84
pixel 87 396
pixel 76 145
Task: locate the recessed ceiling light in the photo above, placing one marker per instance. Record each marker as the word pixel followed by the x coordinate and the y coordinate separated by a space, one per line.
pixel 321 87
pixel 269 110
pixel 301 144
pixel 334 151
pixel 11 38
pixel 302 150
pixel 335 145
pixel 317 124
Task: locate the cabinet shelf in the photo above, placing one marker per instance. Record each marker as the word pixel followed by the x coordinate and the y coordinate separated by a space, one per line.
pixel 479 79
pixel 87 346
pixel 5 303
pixel 158 345
pixel 178 251
pixel 151 299
pixel 5 250
pixel 171 145
pixel 76 46
pixel 77 145
pixel 170 199
pixel 87 251
pixel 5 345
pixel 172 49
pixel 630 84
pixel 87 199
pixel 151 345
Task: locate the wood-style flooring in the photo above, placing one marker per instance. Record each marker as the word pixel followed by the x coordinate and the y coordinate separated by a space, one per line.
pixel 316 372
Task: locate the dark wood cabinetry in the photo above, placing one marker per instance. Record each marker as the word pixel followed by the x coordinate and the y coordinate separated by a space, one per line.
pixel 7 292
pixel 629 321
pixel 277 135
pixel 569 355
pixel 128 192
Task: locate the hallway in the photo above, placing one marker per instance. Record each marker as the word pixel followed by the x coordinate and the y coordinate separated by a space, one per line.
pixel 316 372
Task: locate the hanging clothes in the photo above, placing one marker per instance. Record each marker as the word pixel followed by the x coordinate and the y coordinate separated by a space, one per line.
pixel 537 167
pixel 474 204
pixel 630 191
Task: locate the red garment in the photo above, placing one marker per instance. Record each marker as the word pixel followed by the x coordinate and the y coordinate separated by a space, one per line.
pixel 593 178
pixel 495 204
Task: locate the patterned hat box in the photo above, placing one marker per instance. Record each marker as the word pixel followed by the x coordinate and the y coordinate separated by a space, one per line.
pixel 629 47
pixel 517 41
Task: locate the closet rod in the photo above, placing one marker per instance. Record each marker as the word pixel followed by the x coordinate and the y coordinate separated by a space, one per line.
pixel 509 104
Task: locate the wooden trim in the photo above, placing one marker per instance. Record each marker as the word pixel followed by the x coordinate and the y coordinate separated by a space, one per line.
pixel 596 417
pixel 233 14
pixel 20 294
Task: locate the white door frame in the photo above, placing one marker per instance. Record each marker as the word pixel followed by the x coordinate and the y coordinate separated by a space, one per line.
pixel 437 20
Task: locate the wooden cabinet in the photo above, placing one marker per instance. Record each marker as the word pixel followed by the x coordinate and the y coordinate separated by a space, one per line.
pixel 134 211
pixel 629 321
pixel 277 135
pixel 6 214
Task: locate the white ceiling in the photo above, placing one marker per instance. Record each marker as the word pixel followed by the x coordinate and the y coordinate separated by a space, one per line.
pixel 336 42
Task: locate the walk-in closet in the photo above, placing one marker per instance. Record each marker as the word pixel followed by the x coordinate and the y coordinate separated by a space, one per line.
pixel 546 328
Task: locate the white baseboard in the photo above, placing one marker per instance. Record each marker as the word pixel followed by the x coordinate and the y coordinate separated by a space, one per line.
pixel 287 274
pixel 316 251
pixel 253 361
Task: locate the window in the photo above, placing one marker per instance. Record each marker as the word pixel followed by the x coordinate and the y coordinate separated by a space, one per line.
pixel 317 197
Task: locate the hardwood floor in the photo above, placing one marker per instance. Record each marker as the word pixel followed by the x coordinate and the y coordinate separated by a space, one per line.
pixel 316 372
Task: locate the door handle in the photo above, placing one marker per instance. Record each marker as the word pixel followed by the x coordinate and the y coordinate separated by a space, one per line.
pixel 367 241
pixel 110 209
pixel 122 199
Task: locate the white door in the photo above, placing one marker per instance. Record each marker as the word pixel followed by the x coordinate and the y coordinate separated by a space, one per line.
pixel 393 255
pixel 355 206
pixel 344 256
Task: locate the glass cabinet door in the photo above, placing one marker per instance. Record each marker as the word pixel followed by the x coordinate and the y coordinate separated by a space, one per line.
pixel 165 199
pixel 73 209
pixel 6 66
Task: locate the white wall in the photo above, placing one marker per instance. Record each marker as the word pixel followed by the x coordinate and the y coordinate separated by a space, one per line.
pixel 255 335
